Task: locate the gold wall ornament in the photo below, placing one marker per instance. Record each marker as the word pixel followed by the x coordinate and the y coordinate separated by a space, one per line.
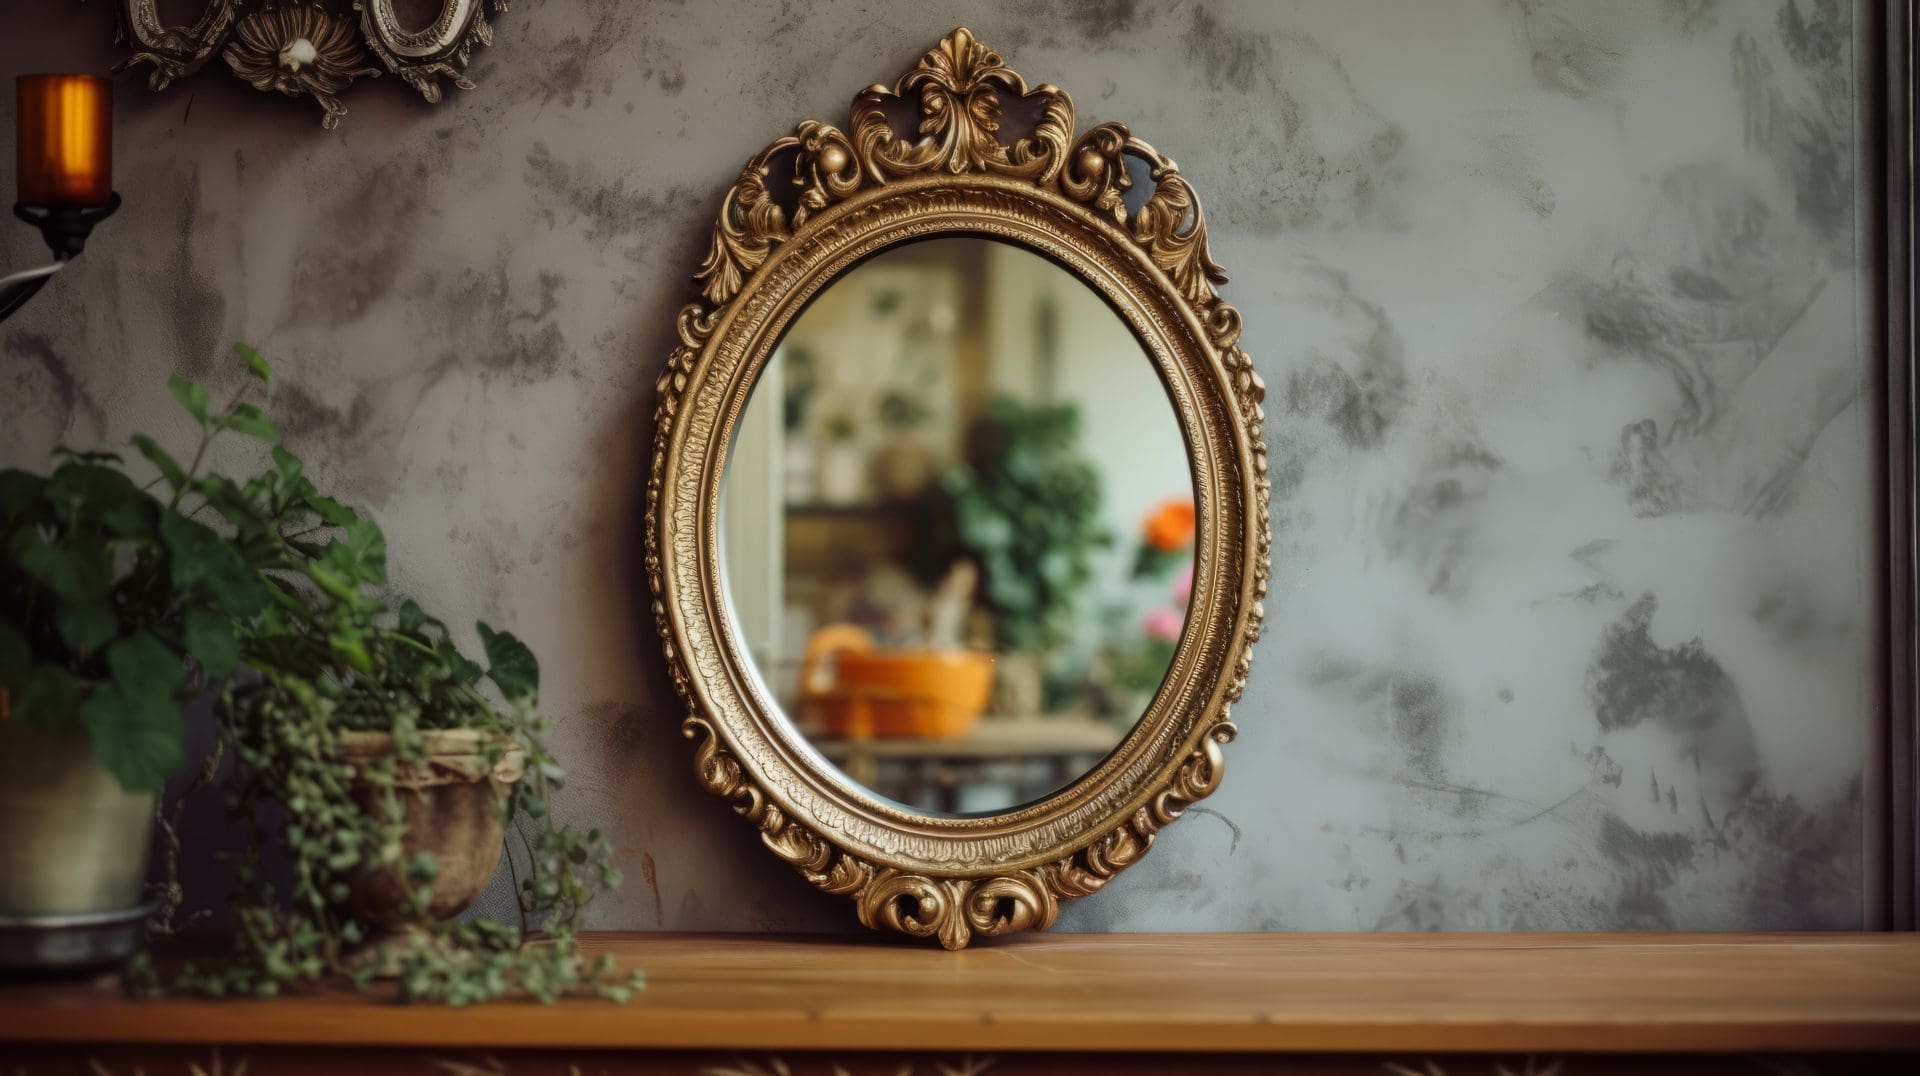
pixel 950 878
pixel 313 48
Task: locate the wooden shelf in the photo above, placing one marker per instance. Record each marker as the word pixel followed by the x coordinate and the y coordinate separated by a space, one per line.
pixel 1274 993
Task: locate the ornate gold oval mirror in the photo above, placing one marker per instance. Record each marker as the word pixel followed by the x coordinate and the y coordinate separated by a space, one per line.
pixel 958 518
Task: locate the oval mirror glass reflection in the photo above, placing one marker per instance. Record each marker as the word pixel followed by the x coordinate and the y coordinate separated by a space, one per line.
pixel 957 525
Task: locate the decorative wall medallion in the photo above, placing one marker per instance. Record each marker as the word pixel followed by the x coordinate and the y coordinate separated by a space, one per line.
pixel 314 49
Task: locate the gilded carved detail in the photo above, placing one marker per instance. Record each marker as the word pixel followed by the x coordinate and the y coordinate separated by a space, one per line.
pixel 851 195
pixel 301 48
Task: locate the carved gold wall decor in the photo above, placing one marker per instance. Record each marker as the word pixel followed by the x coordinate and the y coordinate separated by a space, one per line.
pixel 808 207
pixel 308 47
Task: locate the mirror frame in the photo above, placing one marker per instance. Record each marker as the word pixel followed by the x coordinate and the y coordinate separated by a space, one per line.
pixel 932 876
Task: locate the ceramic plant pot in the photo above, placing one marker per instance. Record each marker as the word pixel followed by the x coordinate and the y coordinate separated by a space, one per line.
pixel 452 805
pixel 850 689
pixel 841 473
pixel 73 854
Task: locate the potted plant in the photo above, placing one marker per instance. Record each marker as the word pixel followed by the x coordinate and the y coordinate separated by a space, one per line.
pixel 905 465
pixel 1026 508
pixel 115 607
pixel 384 767
pixel 841 472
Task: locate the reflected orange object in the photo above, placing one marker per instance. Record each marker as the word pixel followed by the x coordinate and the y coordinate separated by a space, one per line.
pixel 64 140
pixel 1170 527
pixel 867 693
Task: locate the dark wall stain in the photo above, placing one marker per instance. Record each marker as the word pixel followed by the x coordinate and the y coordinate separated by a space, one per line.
pixel 304 416
pixel 344 272
pixel 1231 58
pixel 1641 467
pixel 612 210
pixel 1648 864
pixel 1690 17
pixel 1577 57
pixel 1816 144
pixel 1605 769
pixel 1435 524
pixel 1805 862
pixel 1096 21
pixel 1413 706
pixel 1703 302
pixel 197 308
pixel 577 68
pixel 69 396
pixel 1318 156
pixel 1361 389
pixel 1631 681
pixel 1418 715
pixel 496 339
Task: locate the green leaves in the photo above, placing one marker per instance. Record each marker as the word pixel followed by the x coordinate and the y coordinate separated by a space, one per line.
pixel 332 511
pixel 198 557
pixel 16 656
pixel 1026 509
pixel 287 466
pixel 192 395
pixel 49 698
pixel 89 491
pixel 246 418
pixel 512 667
pixel 20 496
pixel 242 417
pixel 350 645
pixel 85 624
pixel 175 475
pixel 414 620
pixel 80 568
pixel 346 564
pixel 255 364
pixel 362 552
pixel 133 718
pixel 106 591
pixel 210 639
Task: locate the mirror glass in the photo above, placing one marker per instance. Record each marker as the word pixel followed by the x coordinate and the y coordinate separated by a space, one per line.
pixel 957 525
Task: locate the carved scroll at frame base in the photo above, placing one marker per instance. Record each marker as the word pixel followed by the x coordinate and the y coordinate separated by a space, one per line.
pixel 308 48
pixel 1045 187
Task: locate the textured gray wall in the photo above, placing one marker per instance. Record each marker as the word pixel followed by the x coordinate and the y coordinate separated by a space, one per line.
pixel 1559 304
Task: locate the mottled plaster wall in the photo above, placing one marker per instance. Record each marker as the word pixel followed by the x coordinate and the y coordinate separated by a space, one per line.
pixel 1560 308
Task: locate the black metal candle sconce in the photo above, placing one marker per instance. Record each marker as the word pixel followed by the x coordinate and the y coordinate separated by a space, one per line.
pixel 65 228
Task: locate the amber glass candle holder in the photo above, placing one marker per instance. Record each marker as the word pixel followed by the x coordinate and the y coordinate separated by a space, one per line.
pixel 63 175
pixel 63 140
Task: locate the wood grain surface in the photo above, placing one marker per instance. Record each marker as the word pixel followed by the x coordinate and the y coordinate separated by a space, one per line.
pixel 1184 993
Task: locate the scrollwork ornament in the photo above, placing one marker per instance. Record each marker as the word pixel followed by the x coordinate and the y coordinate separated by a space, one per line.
pixel 310 48
pixel 958 85
pixel 951 879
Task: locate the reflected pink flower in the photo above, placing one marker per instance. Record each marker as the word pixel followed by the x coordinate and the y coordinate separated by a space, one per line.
pixel 1183 585
pixel 1162 623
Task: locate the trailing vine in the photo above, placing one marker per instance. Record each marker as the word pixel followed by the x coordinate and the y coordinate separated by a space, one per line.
pixel 331 650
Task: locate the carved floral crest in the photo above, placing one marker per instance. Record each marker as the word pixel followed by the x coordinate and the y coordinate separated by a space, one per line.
pixel 958 160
